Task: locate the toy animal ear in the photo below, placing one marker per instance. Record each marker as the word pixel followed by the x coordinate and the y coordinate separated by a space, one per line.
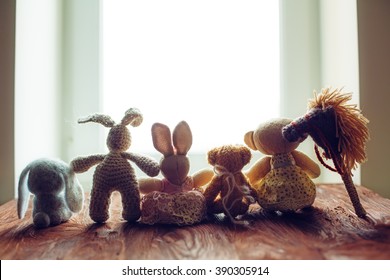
pixel 248 139
pixel 182 138
pixel 133 117
pixel 245 155
pixel 73 192
pixel 98 118
pixel 161 136
pixel 23 193
pixel 212 156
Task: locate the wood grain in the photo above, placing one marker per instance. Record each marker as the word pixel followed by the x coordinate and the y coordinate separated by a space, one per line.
pixel 328 230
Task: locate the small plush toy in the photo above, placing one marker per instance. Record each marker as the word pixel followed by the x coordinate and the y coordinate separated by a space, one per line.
pixel 340 130
pixel 57 192
pixel 229 191
pixel 114 172
pixel 281 179
pixel 177 198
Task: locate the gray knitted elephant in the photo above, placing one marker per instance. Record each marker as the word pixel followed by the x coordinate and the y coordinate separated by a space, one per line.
pixel 57 192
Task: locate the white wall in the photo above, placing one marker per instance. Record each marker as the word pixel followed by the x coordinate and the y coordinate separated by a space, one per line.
pixel 300 59
pixel 57 80
pixel 319 49
pixel 339 57
pixel 374 59
pixel 37 81
pixel 81 82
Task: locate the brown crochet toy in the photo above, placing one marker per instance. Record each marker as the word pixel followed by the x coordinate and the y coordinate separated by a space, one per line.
pixel 114 172
pixel 340 130
pixel 177 198
pixel 282 178
pixel 229 191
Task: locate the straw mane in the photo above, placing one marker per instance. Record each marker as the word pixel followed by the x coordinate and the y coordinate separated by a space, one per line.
pixel 352 130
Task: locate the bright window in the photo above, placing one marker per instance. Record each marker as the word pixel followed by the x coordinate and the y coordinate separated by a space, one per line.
pixel 212 63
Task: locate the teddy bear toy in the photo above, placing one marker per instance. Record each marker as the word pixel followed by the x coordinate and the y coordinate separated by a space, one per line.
pixel 282 178
pixel 229 191
pixel 114 172
pixel 57 192
pixel 177 197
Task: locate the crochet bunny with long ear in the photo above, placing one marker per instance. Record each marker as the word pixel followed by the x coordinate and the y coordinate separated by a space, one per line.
pixel 177 198
pixel 57 192
pixel 114 172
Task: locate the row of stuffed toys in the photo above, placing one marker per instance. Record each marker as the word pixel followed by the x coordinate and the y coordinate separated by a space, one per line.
pixel 280 181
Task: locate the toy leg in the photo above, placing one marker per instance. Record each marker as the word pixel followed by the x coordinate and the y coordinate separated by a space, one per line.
pixel 131 203
pixel 238 208
pixel 98 207
pixel 216 207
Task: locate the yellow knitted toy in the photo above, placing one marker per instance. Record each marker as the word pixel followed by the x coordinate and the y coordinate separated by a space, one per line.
pixel 114 172
pixel 282 179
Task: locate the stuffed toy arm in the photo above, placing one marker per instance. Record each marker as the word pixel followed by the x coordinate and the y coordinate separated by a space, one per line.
pixel 202 177
pixel 307 164
pixel 252 191
pixel 82 164
pixel 259 170
pixel 148 185
pixel 146 164
pixel 212 191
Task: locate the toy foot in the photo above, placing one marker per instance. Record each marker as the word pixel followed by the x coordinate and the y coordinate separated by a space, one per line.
pixel 41 220
pixel 99 218
pixel 131 217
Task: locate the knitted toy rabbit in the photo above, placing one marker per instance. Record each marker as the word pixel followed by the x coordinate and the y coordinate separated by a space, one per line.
pixel 114 172
pixel 177 198
pixel 57 192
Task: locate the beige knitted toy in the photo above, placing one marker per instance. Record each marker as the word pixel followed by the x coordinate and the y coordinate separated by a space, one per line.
pixel 177 198
pixel 281 179
pixel 114 172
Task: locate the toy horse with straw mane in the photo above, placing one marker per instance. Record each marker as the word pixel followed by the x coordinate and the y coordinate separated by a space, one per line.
pixel 340 130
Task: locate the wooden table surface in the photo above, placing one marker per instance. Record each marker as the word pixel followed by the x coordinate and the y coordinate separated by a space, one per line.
pixel 330 230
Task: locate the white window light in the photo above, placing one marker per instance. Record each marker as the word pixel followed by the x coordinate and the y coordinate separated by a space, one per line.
pixel 214 64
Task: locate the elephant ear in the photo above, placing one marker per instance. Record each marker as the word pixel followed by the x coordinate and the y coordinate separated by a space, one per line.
pixel 74 194
pixel 23 193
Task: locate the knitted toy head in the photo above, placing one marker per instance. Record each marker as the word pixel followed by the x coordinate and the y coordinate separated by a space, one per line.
pixel 176 199
pixel 229 191
pixel 114 172
pixel 267 138
pixel 175 164
pixel 281 179
pixel 340 130
pixel 57 192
